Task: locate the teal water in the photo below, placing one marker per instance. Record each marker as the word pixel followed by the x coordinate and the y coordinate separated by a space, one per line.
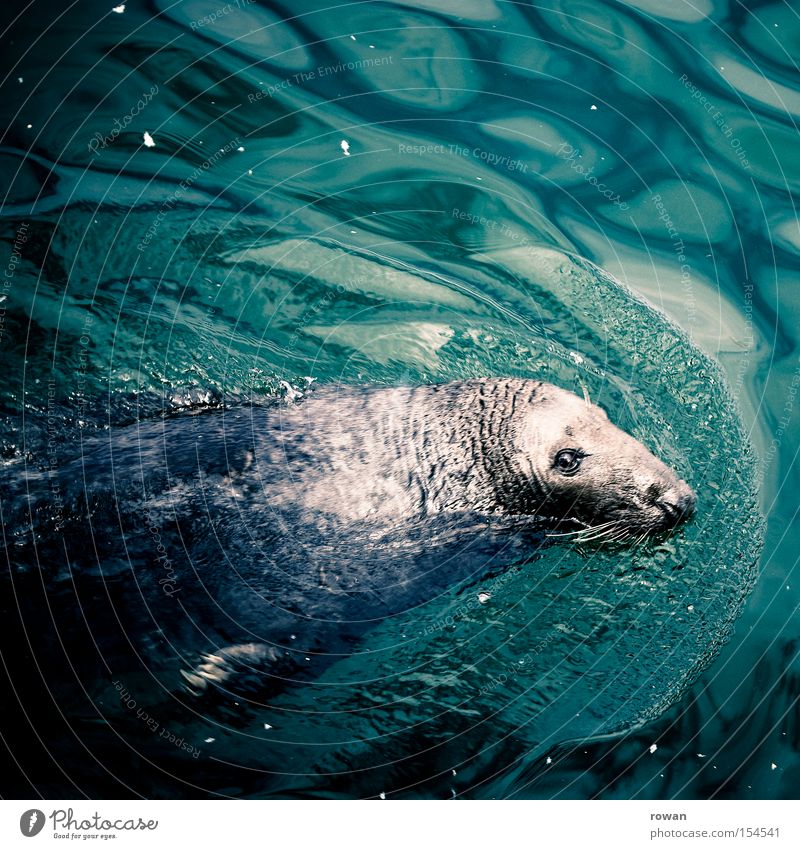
pixel 406 193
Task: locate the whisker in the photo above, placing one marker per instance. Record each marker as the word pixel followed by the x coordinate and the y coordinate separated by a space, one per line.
pixel 600 532
pixel 617 533
pixel 606 532
pixel 596 537
pixel 613 536
pixel 587 529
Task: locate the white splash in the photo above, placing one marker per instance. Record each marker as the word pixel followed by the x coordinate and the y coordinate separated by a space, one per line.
pixel 345 146
pixel 292 395
pixel 148 140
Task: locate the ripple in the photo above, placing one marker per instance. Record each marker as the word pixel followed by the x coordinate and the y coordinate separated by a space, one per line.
pixel 785 232
pixel 431 68
pixel 420 256
pixel 693 211
pixel 686 11
pixel 756 86
pixel 770 150
pixel 672 605
pixel 477 11
pixel 625 54
pixel 251 30
pixel 774 31
pixel 408 343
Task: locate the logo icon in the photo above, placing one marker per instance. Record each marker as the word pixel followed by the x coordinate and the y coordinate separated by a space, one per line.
pixel 31 822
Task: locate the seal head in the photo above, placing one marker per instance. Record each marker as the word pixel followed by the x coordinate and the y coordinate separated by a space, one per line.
pixel 582 468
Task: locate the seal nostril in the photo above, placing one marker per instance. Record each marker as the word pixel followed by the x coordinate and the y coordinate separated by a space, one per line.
pixel 677 506
pixel 686 503
pixel 670 510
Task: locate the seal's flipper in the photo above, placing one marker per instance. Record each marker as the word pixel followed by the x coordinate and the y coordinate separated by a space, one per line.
pixel 218 668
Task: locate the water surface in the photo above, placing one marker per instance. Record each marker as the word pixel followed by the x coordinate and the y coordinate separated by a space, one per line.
pixel 403 193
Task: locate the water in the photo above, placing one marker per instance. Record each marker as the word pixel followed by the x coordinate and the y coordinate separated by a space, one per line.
pixel 409 193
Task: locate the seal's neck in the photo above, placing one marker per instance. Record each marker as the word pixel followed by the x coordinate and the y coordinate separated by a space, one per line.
pixel 473 462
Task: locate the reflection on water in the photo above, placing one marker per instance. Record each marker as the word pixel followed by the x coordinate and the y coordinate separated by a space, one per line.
pixel 395 193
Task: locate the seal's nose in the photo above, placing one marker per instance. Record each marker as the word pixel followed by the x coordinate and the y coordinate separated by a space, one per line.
pixel 677 503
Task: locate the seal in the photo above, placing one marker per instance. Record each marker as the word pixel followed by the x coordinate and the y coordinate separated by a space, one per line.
pixel 265 540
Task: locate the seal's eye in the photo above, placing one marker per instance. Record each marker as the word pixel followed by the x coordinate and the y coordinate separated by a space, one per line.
pixel 568 461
